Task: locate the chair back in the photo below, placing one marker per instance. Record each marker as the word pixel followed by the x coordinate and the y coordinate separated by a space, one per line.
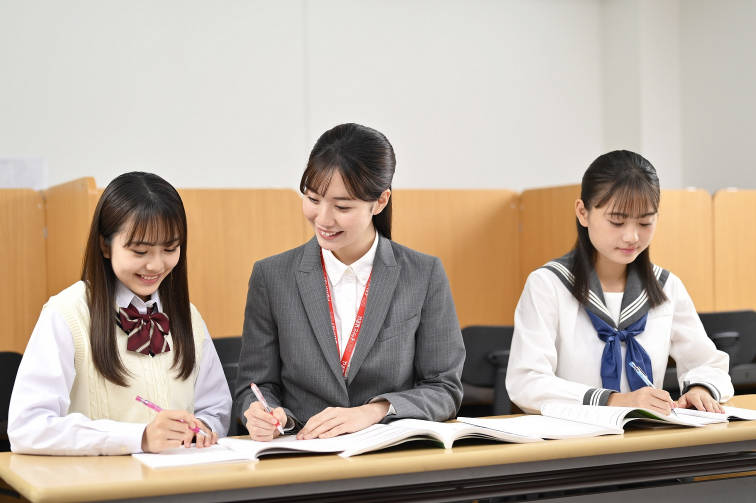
pixel 487 355
pixel 9 362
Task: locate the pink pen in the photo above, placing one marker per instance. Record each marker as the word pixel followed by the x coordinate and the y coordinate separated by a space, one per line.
pixel 157 408
pixel 261 399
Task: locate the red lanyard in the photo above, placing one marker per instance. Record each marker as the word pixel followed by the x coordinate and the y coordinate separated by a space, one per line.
pixel 349 349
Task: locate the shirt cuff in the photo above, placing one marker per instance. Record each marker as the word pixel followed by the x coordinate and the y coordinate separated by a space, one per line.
pixel 290 425
pixel 129 440
pixel 597 396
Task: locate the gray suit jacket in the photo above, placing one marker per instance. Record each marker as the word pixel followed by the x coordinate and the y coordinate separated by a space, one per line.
pixel 409 351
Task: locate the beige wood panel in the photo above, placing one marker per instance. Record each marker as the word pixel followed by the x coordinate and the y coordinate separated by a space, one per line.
pixel 683 242
pixel 474 233
pixel 547 226
pixel 22 265
pixel 734 249
pixel 229 230
pixel 68 208
pixel 92 478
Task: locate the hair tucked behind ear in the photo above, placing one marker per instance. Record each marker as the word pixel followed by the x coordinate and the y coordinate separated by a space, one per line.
pixel 146 207
pixel 365 160
pixel 630 182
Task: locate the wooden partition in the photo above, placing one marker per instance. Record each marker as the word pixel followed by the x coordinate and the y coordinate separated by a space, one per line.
pixel 474 232
pixel 228 231
pixel 735 249
pixel 682 244
pixel 547 226
pixel 22 265
pixel 68 209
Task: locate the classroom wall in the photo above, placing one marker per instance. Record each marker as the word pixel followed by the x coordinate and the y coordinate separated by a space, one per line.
pixel 234 93
pixel 717 78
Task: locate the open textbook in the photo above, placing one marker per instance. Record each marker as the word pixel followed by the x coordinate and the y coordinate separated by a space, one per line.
pixel 378 436
pixel 564 420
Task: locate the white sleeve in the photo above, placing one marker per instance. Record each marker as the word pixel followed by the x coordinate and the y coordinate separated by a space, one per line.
pixel 698 360
pixel 212 399
pixel 38 419
pixel 531 371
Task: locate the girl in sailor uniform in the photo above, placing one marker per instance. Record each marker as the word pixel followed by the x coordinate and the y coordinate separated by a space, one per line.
pixel 585 317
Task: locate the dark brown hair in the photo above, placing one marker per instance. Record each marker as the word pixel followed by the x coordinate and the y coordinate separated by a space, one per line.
pixel 630 183
pixel 365 160
pixel 147 209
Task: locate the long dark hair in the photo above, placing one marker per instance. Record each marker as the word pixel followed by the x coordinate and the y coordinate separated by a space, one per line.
pixel 630 182
pixel 153 212
pixel 365 160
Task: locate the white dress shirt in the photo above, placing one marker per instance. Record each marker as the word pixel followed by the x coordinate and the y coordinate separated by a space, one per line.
pixel 556 353
pixel 38 419
pixel 348 284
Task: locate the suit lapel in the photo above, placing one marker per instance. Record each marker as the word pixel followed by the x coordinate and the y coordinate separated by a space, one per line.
pixel 313 295
pixel 384 279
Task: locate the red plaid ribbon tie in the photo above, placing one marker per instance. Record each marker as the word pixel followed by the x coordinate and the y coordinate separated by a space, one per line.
pixel 146 332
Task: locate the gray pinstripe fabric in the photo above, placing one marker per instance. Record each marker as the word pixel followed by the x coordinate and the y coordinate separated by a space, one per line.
pixel 409 352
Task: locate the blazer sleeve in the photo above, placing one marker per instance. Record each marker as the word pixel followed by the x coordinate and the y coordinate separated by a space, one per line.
pixel 698 361
pixel 259 360
pixel 439 357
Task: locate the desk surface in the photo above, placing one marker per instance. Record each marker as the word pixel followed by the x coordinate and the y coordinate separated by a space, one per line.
pixel 52 478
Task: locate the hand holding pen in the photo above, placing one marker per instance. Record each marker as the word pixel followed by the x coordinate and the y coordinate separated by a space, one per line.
pixel 263 422
pixel 173 428
pixel 652 397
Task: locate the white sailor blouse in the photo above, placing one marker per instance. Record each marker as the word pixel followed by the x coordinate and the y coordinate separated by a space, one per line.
pixel 562 350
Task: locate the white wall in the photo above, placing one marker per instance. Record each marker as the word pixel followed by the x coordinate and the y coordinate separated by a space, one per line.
pixel 234 93
pixel 480 93
pixel 718 81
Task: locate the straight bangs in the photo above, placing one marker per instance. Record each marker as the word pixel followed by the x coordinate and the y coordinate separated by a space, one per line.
pixel 631 198
pixel 318 174
pixel 153 227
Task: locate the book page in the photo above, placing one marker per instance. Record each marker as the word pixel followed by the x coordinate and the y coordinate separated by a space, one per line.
pixel 730 413
pixel 449 432
pixel 533 426
pixel 183 456
pixel 290 444
pixel 608 417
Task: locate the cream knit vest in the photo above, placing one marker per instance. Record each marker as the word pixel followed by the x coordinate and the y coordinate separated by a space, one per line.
pixel 152 376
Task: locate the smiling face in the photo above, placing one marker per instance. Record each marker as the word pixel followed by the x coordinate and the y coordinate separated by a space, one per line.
pixel 141 265
pixel 618 235
pixel 342 223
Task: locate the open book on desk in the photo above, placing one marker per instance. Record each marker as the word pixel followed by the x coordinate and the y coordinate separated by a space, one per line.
pixel 565 420
pixel 378 436
pixel 375 437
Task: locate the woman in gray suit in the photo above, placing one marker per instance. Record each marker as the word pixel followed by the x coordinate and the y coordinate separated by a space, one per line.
pixel 349 329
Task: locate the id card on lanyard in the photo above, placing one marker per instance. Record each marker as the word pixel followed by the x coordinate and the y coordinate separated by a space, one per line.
pixel 346 358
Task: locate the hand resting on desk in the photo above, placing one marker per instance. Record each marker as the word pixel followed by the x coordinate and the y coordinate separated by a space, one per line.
pixel 698 397
pixel 333 421
pixel 646 397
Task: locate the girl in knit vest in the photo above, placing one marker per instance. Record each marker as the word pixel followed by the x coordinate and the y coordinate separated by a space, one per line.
pixel 126 330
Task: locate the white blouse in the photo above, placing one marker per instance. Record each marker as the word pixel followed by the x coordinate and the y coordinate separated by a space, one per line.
pixel 556 353
pixel 38 418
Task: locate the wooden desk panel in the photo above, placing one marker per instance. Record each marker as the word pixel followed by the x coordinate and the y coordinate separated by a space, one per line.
pixel 50 478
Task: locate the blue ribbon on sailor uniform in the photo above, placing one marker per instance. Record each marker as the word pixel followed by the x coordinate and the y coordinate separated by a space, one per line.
pixel 632 322
pixel 611 359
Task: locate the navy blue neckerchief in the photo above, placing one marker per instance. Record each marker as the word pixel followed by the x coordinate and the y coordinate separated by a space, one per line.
pixel 632 321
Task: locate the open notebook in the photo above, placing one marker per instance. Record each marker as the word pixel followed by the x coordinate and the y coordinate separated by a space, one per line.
pixel 378 436
pixel 564 420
